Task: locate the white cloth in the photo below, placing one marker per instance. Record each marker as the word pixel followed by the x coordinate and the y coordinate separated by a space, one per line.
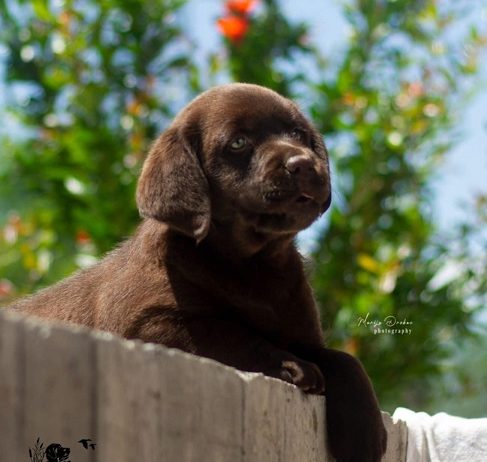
pixel 443 438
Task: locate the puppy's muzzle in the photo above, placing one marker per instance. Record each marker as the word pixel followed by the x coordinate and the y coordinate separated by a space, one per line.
pixel 305 174
pixel 300 166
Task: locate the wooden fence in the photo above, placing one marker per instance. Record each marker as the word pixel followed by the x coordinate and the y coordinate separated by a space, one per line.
pixel 138 402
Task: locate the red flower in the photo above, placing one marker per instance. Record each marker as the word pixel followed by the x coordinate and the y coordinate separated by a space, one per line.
pixel 82 237
pixel 233 27
pixel 6 287
pixel 241 6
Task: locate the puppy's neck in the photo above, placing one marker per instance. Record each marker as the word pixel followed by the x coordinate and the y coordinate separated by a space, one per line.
pixel 232 242
pixel 237 241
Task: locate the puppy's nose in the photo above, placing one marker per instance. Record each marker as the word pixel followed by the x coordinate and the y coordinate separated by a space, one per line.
pixel 300 165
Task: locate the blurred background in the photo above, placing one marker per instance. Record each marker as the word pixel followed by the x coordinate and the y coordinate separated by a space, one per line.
pixel 398 89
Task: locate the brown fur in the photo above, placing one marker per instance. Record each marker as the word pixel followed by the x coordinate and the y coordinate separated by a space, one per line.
pixel 213 269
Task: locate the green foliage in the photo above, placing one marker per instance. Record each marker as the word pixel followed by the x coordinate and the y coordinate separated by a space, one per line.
pixel 102 78
pixel 258 57
pixel 393 102
pixel 95 80
pixel 388 112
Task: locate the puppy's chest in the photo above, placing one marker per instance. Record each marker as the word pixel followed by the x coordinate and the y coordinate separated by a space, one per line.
pixel 272 285
pixel 263 285
pixel 272 298
pixel 266 300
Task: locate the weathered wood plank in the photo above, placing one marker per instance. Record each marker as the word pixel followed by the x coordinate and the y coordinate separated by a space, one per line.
pixel 59 387
pixel 306 415
pixel 128 401
pixel 156 404
pixel 11 388
pixel 201 411
pixel 282 424
pixel 397 433
pixel 114 404
pixel 265 418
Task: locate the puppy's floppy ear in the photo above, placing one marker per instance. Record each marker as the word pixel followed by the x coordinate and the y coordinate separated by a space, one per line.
pixel 172 187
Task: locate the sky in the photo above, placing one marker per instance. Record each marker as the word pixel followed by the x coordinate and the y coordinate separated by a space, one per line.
pixel 464 172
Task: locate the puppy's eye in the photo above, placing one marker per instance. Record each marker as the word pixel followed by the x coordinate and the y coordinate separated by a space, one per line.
pixel 298 134
pixel 238 143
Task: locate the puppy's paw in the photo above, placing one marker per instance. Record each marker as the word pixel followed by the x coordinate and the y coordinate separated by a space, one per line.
pixel 303 374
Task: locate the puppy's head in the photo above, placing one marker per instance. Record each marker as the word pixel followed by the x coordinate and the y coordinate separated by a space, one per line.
pixel 241 153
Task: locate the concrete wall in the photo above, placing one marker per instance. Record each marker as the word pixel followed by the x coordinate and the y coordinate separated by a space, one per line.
pixel 146 403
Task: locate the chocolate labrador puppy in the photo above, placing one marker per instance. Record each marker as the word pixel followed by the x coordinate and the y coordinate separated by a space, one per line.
pixel 213 269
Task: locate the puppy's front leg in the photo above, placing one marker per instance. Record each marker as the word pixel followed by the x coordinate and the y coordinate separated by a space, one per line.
pixel 356 432
pixel 228 342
